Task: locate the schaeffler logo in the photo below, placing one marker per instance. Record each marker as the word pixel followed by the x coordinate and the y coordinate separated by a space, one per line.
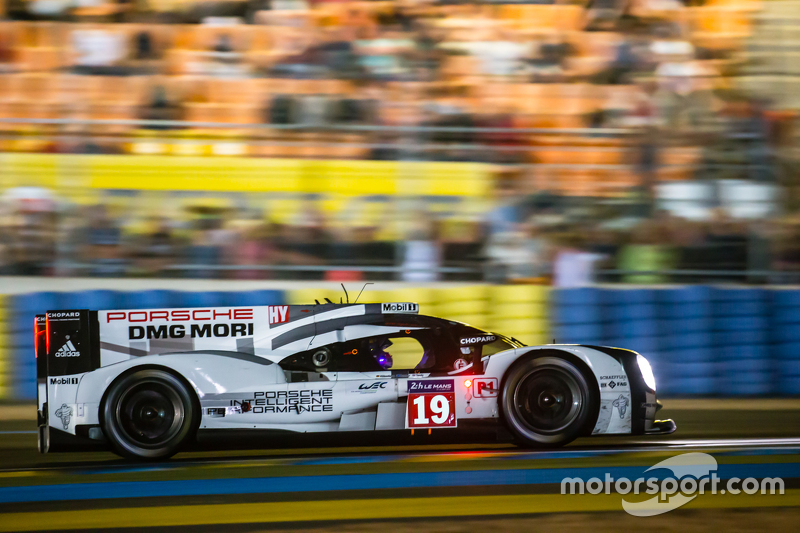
pixel 692 474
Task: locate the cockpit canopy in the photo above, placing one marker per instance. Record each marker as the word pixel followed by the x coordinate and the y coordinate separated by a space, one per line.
pixel 400 342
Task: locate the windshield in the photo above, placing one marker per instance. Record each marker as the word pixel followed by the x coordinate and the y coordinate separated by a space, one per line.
pixel 501 344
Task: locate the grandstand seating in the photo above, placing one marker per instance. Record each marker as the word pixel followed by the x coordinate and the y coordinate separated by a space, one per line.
pixel 39 81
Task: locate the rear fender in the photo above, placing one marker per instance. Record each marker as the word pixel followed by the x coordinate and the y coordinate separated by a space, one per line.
pixel 205 373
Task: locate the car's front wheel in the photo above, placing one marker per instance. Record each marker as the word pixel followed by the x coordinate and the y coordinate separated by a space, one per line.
pixel 148 414
pixel 548 401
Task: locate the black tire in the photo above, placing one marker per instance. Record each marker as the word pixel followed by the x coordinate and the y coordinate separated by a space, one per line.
pixel 149 414
pixel 548 401
pixel 44 439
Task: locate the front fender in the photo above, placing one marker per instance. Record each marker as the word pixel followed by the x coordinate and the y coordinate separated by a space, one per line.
pixel 611 379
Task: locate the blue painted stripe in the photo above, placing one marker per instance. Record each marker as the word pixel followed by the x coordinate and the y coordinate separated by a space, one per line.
pixel 205 487
pixel 18 432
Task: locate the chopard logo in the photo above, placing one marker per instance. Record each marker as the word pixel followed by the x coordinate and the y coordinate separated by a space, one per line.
pixel 478 340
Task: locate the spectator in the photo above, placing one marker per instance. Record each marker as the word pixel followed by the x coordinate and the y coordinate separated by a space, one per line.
pixel 160 108
pixel 99 52
pixel 573 267
pixel 646 253
pixel 422 256
pixel 104 250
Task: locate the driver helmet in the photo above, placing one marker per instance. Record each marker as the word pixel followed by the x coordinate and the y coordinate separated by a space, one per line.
pixel 377 348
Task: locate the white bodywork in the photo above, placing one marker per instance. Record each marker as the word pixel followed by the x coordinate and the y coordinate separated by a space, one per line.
pixel 341 401
pixel 253 392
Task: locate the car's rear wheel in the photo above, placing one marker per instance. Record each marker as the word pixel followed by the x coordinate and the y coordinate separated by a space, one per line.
pixel 149 414
pixel 547 401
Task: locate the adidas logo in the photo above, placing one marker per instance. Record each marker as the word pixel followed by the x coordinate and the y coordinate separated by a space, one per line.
pixel 68 350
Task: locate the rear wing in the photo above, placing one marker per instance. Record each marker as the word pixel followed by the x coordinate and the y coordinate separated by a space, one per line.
pixel 71 342
pixel 66 344
pixel 40 347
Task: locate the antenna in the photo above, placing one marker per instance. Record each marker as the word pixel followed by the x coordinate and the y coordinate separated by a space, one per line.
pixel 345 294
pixel 316 301
pixel 327 300
pixel 362 290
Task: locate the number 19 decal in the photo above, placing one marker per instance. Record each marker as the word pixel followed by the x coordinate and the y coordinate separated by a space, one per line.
pixel 432 406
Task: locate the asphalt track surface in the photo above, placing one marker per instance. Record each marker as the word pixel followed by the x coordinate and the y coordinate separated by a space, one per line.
pixel 441 482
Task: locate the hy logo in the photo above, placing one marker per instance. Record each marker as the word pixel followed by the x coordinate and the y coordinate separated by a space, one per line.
pixel 64 413
pixel 68 350
pixel 697 465
pixel 621 404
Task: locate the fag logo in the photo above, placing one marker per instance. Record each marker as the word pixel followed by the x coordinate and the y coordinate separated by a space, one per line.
pixel 278 314
pixel 68 350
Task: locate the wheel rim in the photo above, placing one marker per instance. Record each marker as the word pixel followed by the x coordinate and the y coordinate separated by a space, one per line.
pixel 548 399
pixel 150 413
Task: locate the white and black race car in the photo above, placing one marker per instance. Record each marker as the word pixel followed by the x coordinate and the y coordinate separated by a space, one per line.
pixel 147 381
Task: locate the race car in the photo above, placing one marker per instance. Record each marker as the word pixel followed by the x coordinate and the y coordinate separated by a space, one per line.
pixel 148 381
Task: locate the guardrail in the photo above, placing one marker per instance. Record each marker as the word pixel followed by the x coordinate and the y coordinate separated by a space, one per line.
pixel 701 340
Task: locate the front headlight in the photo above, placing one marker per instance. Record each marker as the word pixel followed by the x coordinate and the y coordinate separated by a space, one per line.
pixel 647 371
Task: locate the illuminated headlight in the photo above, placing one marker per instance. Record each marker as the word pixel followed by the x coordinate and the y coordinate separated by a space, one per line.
pixel 647 371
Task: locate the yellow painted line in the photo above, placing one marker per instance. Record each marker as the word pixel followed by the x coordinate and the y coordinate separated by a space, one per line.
pixel 732 404
pixel 376 509
pixel 19 473
pixel 18 412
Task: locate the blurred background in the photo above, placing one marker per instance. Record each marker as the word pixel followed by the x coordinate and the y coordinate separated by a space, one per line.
pixel 607 171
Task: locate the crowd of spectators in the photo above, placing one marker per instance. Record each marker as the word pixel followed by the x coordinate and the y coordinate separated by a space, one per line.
pixel 523 240
pixel 461 67
pixel 597 98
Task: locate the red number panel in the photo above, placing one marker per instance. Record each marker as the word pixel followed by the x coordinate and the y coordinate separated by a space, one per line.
pixel 432 410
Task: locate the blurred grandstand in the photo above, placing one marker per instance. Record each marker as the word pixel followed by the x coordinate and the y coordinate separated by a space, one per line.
pixel 642 140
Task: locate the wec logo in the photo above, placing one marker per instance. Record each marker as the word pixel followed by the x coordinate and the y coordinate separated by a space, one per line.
pixel 373 386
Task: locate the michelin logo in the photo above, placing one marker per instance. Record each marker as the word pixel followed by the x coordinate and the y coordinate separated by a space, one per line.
pixel 64 413
pixel 68 350
pixel 621 404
